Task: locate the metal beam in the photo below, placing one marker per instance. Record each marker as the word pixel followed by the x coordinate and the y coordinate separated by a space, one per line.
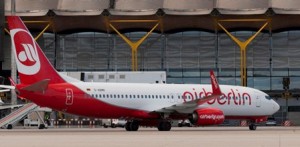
pixel 133 45
pixel 243 44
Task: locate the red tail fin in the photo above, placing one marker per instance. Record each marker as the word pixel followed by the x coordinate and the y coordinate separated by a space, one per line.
pixel 214 83
pixel 32 64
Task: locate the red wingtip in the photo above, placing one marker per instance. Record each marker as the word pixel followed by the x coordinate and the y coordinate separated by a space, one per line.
pixel 214 84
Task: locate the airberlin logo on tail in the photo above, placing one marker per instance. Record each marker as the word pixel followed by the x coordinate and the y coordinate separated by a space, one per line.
pixel 26 54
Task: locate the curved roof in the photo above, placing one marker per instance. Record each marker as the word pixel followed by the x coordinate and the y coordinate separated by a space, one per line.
pixel 174 15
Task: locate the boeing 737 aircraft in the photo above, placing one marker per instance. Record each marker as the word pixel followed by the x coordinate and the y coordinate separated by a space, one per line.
pixel 139 104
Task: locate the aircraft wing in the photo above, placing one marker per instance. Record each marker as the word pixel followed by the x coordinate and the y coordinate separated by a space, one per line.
pixel 4 90
pixel 216 93
pixel 187 105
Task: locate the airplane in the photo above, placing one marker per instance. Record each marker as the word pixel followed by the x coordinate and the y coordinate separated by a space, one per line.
pixel 140 104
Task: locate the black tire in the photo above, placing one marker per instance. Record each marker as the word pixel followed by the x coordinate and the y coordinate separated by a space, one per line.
pixel 9 126
pixel 180 125
pixel 42 126
pixel 252 127
pixel 113 126
pixel 164 126
pixel 127 126
pixel 132 126
pixel 105 126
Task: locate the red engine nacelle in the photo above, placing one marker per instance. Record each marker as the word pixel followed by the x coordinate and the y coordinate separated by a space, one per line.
pixel 207 116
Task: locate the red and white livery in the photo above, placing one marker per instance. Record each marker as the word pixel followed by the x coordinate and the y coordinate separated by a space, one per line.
pixel 139 104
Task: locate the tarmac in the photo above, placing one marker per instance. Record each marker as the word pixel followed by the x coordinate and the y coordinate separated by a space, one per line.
pixel 150 137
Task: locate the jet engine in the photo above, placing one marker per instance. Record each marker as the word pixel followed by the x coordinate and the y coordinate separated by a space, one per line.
pixel 207 116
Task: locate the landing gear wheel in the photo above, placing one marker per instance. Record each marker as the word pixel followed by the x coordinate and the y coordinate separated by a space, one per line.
pixel 105 126
pixel 42 126
pixel 164 126
pixel 113 126
pixel 9 126
pixel 132 125
pixel 180 125
pixel 252 127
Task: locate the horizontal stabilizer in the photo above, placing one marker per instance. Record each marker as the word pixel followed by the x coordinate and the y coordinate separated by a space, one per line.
pixel 7 86
pixel 38 86
pixel 5 90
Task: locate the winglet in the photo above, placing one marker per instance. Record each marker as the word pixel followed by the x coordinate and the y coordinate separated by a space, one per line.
pixel 214 84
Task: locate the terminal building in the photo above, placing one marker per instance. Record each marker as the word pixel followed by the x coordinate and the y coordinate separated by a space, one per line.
pixel 254 43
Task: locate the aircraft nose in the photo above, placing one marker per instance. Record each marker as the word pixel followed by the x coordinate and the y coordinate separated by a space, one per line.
pixel 276 107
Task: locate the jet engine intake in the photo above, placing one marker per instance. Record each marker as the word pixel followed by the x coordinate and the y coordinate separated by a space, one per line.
pixel 207 116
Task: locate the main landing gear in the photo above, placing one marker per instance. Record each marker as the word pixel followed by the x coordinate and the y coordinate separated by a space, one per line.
pixel 132 125
pixel 164 125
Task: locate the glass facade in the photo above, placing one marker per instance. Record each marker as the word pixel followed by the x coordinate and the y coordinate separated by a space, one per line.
pixel 187 57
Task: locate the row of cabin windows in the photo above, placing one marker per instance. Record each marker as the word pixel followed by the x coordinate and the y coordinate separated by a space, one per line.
pixel 133 96
pixel 147 96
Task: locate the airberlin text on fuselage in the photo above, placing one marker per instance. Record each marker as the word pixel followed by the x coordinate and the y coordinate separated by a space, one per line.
pixel 233 96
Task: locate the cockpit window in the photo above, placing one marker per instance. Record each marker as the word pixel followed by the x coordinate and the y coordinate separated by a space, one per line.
pixel 268 97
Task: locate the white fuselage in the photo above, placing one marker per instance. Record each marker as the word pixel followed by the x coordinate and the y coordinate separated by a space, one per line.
pixel 236 100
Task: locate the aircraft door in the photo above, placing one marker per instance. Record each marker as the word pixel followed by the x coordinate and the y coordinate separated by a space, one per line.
pixel 69 96
pixel 258 101
pixel 172 98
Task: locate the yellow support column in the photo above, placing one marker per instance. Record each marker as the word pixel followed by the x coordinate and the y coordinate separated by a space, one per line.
pixel 133 45
pixel 243 44
pixel 40 34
